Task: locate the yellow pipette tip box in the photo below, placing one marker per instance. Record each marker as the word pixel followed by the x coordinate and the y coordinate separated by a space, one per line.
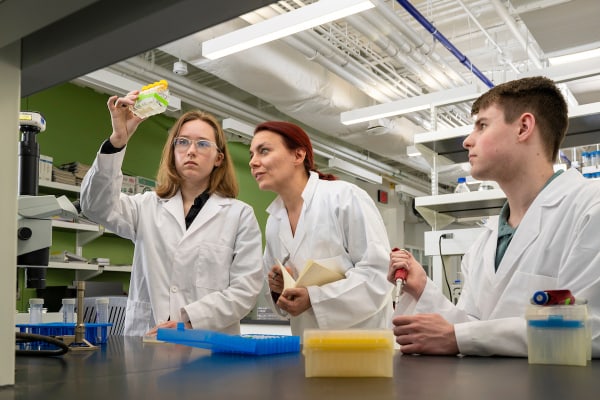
pixel 348 353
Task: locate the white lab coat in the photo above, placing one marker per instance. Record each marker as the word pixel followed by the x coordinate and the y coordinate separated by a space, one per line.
pixel 340 220
pixel 210 273
pixel 556 246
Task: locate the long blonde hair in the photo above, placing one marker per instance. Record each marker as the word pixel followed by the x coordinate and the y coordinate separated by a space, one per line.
pixel 222 179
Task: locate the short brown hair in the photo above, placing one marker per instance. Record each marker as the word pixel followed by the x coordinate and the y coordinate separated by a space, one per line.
pixel 222 179
pixel 537 95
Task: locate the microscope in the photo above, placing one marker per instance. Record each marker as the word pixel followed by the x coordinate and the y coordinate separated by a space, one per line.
pixel 34 231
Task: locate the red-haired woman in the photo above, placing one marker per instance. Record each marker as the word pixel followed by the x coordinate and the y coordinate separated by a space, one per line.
pixel 197 256
pixel 316 217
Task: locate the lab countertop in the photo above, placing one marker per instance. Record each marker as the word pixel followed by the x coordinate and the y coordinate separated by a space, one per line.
pixel 127 368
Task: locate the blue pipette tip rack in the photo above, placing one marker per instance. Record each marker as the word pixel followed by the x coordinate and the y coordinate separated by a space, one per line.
pixel 95 333
pixel 217 342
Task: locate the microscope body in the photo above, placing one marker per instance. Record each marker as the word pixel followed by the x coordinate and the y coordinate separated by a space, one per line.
pixel 30 125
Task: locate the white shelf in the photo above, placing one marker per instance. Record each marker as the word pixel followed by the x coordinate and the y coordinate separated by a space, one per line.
pixel 76 226
pixel 73 265
pixel 465 205
pixel 59 186
pixel 85 233
pixel 117 268
pixel 583 130
pixel 82 266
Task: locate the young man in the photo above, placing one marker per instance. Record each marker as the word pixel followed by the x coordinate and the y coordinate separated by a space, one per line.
pixel 546 237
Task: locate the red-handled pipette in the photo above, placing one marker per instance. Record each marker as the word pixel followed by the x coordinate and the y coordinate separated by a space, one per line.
pixel 400 278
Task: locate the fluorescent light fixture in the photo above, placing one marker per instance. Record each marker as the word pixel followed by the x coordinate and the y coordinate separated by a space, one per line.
pixel 238 128
pixel 412 151
pixel 564 72
pixel 575 57
pixel 295 21
pixel 412 104
pixel 354 170
pixel 110 83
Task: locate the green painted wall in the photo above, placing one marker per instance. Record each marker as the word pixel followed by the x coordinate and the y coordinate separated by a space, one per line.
pixel 78 122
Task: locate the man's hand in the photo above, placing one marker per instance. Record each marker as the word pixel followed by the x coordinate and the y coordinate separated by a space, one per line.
pixel 425 334
pixel 416 278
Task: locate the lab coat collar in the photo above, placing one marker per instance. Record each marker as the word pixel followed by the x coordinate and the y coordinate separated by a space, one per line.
pixel 277 210
pixel 213 206
pixel 529 228
pixel 174 206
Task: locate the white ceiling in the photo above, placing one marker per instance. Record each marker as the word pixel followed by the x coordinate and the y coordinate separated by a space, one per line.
pixel 376 57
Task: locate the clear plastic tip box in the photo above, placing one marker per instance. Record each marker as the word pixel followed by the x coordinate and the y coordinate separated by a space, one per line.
pixel 153 99
pixel 558 334
pixel 348 353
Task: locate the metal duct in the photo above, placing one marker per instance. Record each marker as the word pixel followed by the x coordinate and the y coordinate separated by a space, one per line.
pixel 444 41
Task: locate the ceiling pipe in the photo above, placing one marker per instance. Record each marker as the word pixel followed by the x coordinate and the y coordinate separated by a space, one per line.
pixel 366 58
pixel 188 91
pixel 420 46
pixel 342 64
pixel 487 35
pixel 512 25
pixel 312 47
pixel 394 52
pixel 444 41
pixel 431 69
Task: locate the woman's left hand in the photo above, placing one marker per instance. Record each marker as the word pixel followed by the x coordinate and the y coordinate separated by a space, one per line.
pixel 294 301
pixel 168 324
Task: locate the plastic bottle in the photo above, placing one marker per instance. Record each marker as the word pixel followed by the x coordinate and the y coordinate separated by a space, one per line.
pixel 153 99
pixel 35 310
pixel 462 186
pixel 68 311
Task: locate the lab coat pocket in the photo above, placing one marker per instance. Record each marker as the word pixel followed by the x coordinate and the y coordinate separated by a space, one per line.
pixel 212 266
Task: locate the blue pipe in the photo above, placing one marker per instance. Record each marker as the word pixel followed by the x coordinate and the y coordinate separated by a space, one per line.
pixel 442 39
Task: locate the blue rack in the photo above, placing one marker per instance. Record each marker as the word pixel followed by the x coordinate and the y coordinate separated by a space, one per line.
pixel 95 333
pixel 256 344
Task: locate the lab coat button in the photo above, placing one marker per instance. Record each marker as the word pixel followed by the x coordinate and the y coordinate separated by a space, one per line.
pixel 174 289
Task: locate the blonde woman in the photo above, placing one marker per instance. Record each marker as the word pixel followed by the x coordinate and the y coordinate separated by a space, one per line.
pixel 197 256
